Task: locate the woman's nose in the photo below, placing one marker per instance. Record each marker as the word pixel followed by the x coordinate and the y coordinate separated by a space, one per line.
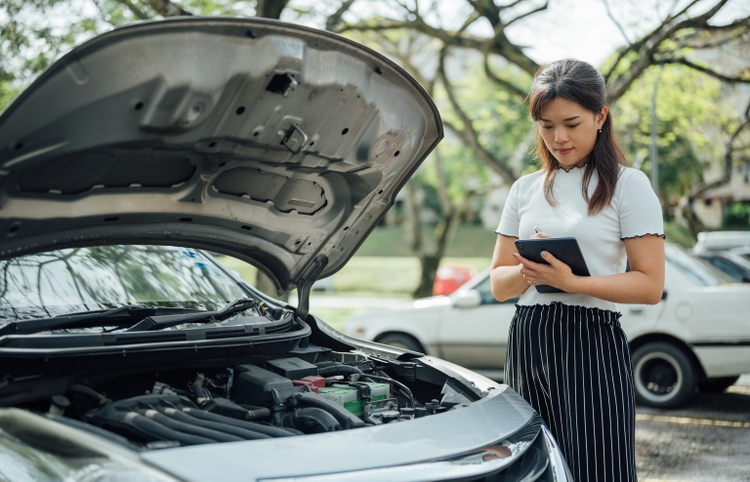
pixel 561 135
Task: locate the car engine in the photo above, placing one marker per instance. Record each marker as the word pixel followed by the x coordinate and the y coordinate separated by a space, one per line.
pixel 274 398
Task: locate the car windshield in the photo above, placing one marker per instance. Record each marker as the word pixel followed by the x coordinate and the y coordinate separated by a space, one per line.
pixel 98 278
pixel 698 271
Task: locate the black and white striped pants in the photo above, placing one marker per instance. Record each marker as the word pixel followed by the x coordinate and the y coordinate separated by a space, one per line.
pixel 572 364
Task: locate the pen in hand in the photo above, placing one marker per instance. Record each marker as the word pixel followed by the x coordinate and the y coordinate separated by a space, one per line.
pixel 537 230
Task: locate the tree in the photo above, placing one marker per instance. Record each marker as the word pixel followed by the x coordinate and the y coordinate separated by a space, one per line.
pixel 426 40
pixel 680 32
pixel 691 116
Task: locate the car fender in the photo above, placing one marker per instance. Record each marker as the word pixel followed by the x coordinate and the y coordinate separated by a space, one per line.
pixel 421 323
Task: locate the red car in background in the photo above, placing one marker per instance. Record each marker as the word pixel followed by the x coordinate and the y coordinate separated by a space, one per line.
pixel 450 276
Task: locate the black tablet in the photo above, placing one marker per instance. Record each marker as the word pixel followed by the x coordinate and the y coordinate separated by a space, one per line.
pixel 564 249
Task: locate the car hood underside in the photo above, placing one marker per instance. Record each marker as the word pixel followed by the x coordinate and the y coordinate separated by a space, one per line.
pixel 277 144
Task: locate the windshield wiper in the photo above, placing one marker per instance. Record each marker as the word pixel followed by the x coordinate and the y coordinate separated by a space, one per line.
pixel 121 316
pixel 158 322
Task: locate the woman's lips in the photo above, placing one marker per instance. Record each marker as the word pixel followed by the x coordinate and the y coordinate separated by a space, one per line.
pixel 564 151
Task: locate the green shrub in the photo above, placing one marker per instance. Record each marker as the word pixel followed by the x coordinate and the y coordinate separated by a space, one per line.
pixel 737 216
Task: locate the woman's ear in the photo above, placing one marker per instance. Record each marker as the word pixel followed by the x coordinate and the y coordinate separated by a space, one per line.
pixel 601 117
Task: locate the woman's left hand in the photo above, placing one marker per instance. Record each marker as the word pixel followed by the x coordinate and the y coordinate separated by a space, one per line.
pixel 556 273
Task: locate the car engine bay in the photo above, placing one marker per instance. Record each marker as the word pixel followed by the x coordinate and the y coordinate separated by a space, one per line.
pixel 276 397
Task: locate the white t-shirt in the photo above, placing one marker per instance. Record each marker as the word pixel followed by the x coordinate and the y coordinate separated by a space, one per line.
pixel 634 211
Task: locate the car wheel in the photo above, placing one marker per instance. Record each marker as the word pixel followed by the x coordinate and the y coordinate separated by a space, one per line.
pixel 716 385
pixel 664 375
pixel 401 340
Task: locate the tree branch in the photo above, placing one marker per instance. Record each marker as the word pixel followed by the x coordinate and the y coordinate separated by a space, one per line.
pixel 614 20
pixel 166 8
pixel 502 82
pixel 524 15
pixel 335 19
pixel 134 9
pixel 470 134
pixel 647 46
pixel 739 79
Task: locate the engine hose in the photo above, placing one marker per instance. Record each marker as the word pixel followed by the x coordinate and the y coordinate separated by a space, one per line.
pixel 148 429
pixel 226 407
pixel 403 387
pixel 89 392
pixel 325 364
pixel 342 415
pixel 339 370
pixel 197 387
pixel 218 426
pixel 189 428
pixel 255 427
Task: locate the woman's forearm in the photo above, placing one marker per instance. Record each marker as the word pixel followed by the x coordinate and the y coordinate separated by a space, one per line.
pixel 507 282
pixel 631 287
pixel 643 284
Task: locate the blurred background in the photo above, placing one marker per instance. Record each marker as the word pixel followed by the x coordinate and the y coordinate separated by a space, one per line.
pixel 678 79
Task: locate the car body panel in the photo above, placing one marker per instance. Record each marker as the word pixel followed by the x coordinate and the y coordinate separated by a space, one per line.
pixel 459 327
pixel 281 145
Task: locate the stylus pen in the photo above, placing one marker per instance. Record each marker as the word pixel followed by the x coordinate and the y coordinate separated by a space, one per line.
pixel 537 230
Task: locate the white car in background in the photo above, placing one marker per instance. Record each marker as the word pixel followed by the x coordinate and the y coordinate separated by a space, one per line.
pixel 697 336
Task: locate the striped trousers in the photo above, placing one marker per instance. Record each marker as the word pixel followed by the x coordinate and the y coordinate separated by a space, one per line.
pixel 572 364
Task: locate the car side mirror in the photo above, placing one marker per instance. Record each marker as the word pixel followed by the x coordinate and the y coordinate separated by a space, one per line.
pixel 467 299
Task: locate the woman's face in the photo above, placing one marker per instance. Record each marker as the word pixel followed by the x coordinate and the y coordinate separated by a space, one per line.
pixel 569 130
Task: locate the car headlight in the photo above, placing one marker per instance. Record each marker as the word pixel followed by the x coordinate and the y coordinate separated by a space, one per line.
pixel 33 447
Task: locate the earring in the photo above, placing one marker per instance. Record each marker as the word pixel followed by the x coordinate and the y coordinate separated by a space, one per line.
pixel 600 130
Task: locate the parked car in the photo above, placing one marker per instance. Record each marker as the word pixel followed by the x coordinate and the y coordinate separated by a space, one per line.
pixel 732 263
pixel 698 335
pixel 450 277
pixel 128 353
pixel 721 241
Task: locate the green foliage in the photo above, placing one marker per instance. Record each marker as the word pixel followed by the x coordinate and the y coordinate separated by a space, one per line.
pixel 737 216
pixel 678 234
pixel 691 118
pixel 8 92
pixel 500 117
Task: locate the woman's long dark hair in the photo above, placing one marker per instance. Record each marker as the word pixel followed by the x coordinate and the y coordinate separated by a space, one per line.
pixel 579 82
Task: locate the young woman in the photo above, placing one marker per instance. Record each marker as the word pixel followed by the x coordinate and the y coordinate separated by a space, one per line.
pixel 567 355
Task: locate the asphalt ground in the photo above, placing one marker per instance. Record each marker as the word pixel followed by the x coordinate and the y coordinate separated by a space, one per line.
pixel 708 439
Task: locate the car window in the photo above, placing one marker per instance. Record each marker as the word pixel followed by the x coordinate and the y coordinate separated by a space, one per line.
pixel 485 291
pixel 698 271
pixel 71 280
pixel 726 267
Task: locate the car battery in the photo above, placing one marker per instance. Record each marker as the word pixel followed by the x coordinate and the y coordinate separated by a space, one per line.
pixel 314 382
pixel 353 398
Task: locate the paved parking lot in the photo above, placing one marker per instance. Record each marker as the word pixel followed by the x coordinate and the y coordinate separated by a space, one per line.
pixel 706 440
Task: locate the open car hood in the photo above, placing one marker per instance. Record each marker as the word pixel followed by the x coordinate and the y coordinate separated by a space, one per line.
pixel 275 143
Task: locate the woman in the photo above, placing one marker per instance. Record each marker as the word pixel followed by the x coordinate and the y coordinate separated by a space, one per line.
pixel 567 355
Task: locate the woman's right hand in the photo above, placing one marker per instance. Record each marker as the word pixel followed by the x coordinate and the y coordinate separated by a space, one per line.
pixel 540 235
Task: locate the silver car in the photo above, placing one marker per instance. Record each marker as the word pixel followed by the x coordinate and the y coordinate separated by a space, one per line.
pixel 128 353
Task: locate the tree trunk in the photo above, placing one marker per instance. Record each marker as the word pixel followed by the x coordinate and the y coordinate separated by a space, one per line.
pixel 429 264
pixel 694 222
pixel 270 8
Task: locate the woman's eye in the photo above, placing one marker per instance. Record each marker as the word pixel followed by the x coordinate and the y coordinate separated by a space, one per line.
pixel 546 127
pixel 574 125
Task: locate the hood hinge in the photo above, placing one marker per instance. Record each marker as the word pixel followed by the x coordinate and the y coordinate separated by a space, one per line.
pixel 304 287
